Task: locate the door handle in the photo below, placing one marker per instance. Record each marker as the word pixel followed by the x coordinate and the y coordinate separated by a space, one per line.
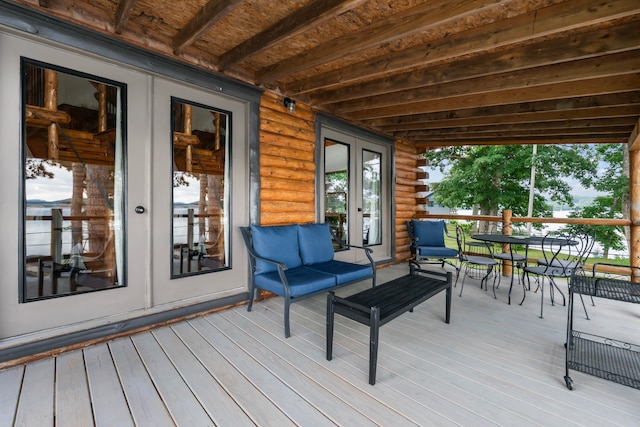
pixel 359 209
pixel 140 209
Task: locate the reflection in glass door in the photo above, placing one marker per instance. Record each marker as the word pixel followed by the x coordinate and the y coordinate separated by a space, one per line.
pixel 200 188
pixel 73 173
pixel 371 198
pixel 336 181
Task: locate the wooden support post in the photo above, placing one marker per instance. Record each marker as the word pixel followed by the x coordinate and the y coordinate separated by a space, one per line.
pixel 188 124
pixel 51 103
pixel 190 222
pixel 507 229
pixel 56 235
pixel 217 141
pixel 634 209
pixel 102 107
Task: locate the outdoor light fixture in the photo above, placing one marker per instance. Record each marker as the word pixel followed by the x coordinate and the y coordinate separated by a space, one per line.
pixel 290 105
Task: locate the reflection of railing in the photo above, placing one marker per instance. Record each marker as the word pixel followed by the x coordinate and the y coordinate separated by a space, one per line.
pixel 78 245
pixel 60 223
pixel 208 250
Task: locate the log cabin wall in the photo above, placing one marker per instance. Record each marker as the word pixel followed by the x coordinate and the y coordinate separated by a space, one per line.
pixel 287 163
pixel 407 185
pixel 287 170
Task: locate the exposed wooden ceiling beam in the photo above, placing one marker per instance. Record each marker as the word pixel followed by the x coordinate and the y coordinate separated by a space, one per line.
pixel 211 12
pixel 563 108
pixel 123 12
pixel 618 64
pixel 307 17
pixel 417 19
pixel 583 46
pixel 541 25
pixel 585 87
pixel 620 124
pixel 523 141
pixel 634 138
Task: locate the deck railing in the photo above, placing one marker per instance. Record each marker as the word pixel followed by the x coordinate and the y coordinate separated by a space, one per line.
pixel 507 220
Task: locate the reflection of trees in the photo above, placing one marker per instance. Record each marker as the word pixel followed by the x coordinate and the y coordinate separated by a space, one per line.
pixel 37 168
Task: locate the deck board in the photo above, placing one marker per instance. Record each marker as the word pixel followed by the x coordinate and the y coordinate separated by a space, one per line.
pixel 73 404
pixel 175 393
pixel 35 405
pixel 109 404
pixel 494 364
pixel 144 402
pixel 222 409
pixel 10 384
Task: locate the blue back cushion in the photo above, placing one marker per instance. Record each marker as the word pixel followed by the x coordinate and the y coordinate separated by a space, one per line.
pixel 315 243
pixel 279 243
pixel 429 233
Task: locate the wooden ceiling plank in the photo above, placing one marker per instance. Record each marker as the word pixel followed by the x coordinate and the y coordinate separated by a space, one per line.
pixel 605 113
pixel 212 12
pixel 613 65
pixel 624 83
pixel 562 141
pixel 301 20
pixel 409 22
pixel 570 48
pixel 532 27
pixel 560 106
pixel 123 12
pixel 552 132
pixel 568 125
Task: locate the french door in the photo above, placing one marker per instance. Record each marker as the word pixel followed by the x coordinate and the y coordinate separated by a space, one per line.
pixel 127 195
pixel 356 199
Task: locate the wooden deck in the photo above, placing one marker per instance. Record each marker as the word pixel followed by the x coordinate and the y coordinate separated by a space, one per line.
pixel 495 364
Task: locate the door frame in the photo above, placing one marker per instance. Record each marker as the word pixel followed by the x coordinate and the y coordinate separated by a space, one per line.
pixel 324 121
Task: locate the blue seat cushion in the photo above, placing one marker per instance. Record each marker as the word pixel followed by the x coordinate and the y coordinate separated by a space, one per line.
pixel 435 252
pixel 279 243
pixel 344 272
pixel 301 281
pixel 315 243
pixel 429 233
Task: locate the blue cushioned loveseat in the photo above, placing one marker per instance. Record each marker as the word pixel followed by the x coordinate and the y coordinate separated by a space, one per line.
pixel 296 262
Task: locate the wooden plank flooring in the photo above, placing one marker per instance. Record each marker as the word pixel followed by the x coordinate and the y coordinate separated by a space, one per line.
pixel 495 364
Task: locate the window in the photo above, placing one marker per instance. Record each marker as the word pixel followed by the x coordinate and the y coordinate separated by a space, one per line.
pixel 201 159
pixel 73 182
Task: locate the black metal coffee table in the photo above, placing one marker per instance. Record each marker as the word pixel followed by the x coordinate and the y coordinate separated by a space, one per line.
pixel 379 305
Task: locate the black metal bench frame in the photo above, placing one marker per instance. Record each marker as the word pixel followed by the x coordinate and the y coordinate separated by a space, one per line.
pixel 377 306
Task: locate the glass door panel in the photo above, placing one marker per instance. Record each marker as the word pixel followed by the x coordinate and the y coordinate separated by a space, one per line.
pixel 371 198
pixel 336 166
pixel 200 188
pixel 73 175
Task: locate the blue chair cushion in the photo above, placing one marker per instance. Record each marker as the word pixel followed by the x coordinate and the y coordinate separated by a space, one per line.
pixel 434 252
pixel 315 243
pixel 301 281
pixel 279 243
pixel 343 271
pixel 429 233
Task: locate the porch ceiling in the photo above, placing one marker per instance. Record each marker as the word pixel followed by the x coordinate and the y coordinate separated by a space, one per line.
pixel 434 73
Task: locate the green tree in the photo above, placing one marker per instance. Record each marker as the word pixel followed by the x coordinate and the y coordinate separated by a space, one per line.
pixel 494 178
pixel 612 182
pixel 609 236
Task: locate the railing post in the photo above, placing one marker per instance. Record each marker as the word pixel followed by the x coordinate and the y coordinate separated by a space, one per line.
pixel 507 229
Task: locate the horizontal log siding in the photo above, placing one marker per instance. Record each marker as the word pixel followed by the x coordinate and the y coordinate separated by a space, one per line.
pixel 405 194
pixel 287 163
